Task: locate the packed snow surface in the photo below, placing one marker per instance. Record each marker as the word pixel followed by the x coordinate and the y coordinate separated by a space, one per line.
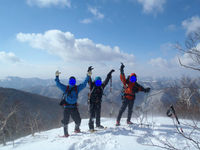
pixel 124 137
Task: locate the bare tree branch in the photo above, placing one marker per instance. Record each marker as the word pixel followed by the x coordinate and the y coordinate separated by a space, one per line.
pixel 186 66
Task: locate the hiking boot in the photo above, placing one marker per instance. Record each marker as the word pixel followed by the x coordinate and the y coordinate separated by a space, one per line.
pixel 100 127
pixel 117 123
pixel 77 131
pixel 66 135
pixel 66 131
pixel 129 122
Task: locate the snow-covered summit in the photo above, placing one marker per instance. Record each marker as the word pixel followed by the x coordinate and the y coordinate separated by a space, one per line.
pixel 123 137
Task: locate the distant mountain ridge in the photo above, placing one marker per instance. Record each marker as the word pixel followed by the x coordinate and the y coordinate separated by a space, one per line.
pixel 20 83
pixel 32 102
pixel 31 107
pixel 37 85
pixel 47 87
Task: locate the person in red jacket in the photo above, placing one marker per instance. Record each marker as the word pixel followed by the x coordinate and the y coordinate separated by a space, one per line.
pixel 130 87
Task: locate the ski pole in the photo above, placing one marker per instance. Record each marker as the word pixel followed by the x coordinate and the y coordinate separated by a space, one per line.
pixel 171 111
pixel 111 84
pixel 176 117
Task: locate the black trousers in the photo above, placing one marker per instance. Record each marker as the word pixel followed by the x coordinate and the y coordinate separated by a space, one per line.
pixel 95 111
pixel 74 113
pixel 126 103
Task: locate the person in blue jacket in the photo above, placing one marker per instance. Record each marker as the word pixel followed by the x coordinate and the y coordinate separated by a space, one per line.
pixel 69 102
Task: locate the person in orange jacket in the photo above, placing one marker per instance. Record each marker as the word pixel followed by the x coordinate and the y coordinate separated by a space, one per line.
pixel 130 88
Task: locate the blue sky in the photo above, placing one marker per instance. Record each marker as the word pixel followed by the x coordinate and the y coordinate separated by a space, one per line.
pixel 40 36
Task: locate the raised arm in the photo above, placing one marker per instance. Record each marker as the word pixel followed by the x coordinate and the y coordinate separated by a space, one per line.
pixel 90 83
pixel 58 84
pixel 88 77
pixel 105 82
pixel 122 75
pixel 83 84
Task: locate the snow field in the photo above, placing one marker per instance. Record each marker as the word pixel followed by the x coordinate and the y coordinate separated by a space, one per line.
pixel 118 138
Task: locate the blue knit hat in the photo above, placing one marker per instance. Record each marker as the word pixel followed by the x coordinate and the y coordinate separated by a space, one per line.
pixel 97 78
pixel 97 81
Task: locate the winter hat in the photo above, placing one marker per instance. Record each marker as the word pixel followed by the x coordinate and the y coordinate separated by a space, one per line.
pixel 133 77
pixel 72 80
pixel 98 81
pixel 97 78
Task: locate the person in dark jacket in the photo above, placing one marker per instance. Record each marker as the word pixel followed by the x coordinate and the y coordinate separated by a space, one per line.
pixel 95 96
pixel 69 103
pixel 130 88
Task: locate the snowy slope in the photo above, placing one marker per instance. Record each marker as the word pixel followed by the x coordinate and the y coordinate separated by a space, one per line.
pixel 118 138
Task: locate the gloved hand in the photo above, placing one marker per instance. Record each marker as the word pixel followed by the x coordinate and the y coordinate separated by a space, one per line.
pixel 147 90
pixel 90 69
pixel 122 68
pixel 57 73
pixel 110 73
pixel 89 72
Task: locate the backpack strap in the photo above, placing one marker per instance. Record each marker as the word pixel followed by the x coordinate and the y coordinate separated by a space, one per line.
pixel 75 88
pixel 67 89
pixel 125 94
pixel 63 102
pixel 93 87
pixel 91 90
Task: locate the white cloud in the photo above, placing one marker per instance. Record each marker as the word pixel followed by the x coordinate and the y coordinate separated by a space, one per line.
pixel 86 21
pixel 64 45
pixel 96 13
pixel 48 3
pixel 191 24
pixel 159 62
pixel 171 27
pixel 198 47
pixel 152 6
pixel 167 46
pixel 8 57
pixel 187 60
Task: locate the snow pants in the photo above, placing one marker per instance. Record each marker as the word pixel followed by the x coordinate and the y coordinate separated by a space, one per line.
pixel 74 113
pixel 126 103
pixel 95 111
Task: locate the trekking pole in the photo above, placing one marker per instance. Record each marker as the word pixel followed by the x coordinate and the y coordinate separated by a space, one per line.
pixel 146 105
pixel 111 111
pixel 176 117
pixel 171 111
pixel 111 84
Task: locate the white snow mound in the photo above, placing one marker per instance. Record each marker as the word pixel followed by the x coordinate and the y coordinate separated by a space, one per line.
pixel 124 137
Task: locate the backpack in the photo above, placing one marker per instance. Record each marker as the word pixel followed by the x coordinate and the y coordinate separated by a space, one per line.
pixel 92 95
pixel 123 92
pixel 63 102
pixel 124 88
pixel 134 90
